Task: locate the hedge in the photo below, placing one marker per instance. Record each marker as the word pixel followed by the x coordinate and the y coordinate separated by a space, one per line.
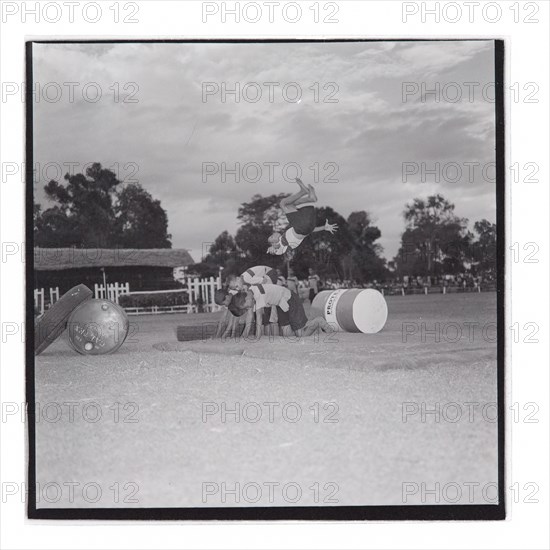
pixel 149 300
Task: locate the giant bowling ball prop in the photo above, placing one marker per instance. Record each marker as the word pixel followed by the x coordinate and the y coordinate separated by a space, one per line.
pixel 352 310
pixel 97 327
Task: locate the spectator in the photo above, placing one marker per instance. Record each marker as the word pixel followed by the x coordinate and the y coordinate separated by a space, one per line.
pixel 292 281
pixel 313 281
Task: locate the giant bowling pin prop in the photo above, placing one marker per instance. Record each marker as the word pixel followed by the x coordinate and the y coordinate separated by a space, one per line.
pixel 352 310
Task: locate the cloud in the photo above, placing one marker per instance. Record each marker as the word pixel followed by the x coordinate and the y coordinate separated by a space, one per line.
pixel 352 115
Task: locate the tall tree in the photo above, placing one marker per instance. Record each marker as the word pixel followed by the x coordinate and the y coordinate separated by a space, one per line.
pixel 53 228
pixel 435 240
pixel 84 208
pixel 484 249
pixel 367 263
pixel 222 252
pixel 140 219
pixel 93 210
pixel 262 211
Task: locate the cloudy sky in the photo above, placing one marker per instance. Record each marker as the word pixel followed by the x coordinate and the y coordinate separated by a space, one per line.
pixel 153 116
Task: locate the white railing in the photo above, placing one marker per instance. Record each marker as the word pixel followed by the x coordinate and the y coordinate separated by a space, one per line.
pixel 203 290
pixel 199 291
pixel 54 295
pixel 113 291
pixel 155 310
pixel 40 298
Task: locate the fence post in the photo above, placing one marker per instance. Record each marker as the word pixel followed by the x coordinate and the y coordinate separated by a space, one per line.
pixel 39 299
pixel 212 292
pixel 215 287
pixel 54 295
pixel 189 290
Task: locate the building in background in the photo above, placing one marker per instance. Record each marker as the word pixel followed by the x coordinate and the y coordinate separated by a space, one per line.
pixel 143 269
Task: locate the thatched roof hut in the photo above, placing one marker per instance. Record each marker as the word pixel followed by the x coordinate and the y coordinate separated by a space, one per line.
pixel 143 269
pixel 57 259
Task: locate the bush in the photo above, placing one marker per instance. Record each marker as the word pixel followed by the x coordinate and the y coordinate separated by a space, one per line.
pixel 149 300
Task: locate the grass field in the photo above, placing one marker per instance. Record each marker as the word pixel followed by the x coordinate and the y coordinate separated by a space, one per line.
pixel 322 421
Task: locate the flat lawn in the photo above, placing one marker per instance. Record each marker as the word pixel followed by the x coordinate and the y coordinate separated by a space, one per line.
pixel 328 420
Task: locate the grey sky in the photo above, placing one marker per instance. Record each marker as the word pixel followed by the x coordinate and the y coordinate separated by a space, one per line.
pixel 169 132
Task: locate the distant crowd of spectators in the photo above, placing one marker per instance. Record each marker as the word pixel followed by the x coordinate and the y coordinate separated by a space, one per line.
pixel 308 288
pixel 465 280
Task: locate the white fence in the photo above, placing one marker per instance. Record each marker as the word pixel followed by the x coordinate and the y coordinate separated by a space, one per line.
pixel 203 290
pixel 153 310
pixel 113 292
pixel 200 294
pixel 40 298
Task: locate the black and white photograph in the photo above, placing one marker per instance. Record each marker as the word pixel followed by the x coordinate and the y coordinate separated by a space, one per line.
pixel 265 279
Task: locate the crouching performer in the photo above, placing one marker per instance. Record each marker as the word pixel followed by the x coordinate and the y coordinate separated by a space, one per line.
pixel 259 274
pixel 292 319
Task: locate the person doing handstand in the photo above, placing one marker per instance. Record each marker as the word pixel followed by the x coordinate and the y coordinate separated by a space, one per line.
pixel 300 213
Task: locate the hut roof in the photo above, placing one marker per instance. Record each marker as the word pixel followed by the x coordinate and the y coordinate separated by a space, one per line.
pixel 56 259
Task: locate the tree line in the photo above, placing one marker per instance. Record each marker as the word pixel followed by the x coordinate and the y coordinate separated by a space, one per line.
pixel 435 242
pixel 95 210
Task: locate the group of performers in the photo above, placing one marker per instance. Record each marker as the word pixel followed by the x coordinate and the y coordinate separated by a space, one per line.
pixel 258 293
